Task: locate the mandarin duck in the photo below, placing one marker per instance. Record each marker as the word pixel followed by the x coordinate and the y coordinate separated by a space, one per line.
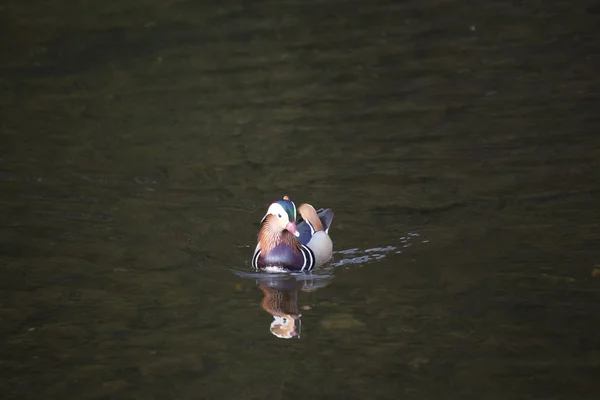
pixel 283 246
pixel 283 306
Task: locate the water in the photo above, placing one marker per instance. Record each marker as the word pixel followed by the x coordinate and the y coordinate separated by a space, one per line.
pixel 457 144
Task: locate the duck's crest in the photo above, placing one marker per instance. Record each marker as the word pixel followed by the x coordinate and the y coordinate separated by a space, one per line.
pixel 288 206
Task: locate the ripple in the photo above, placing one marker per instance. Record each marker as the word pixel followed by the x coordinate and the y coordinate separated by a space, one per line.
pixel 356 256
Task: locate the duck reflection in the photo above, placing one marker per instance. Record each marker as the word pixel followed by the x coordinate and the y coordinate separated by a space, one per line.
pixel 280 299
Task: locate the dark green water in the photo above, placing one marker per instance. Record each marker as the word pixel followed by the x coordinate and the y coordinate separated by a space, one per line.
pixel 143 141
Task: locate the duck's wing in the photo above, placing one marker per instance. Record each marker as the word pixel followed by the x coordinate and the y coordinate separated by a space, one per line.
pixel 306 231
pixel 326 217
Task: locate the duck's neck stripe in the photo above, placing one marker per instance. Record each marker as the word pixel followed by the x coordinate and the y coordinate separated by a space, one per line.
pixel 309 258
pixel 312 228
pixel 255 258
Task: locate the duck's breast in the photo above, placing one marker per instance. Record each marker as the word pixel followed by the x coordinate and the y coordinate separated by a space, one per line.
pixel 284 257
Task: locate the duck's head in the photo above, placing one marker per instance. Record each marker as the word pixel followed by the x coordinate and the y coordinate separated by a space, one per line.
pixel 286 327
pixel 281 216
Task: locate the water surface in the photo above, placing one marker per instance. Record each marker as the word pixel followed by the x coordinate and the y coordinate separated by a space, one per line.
pixel 456 142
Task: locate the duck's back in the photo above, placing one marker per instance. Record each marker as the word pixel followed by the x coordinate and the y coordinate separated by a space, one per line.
pixel 306 230
pixel 318 241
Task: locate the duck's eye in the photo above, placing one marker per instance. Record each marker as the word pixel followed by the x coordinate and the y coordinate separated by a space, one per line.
pixel 278 215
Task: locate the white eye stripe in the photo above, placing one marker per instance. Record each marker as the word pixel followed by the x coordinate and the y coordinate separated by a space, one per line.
pixel 277 210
